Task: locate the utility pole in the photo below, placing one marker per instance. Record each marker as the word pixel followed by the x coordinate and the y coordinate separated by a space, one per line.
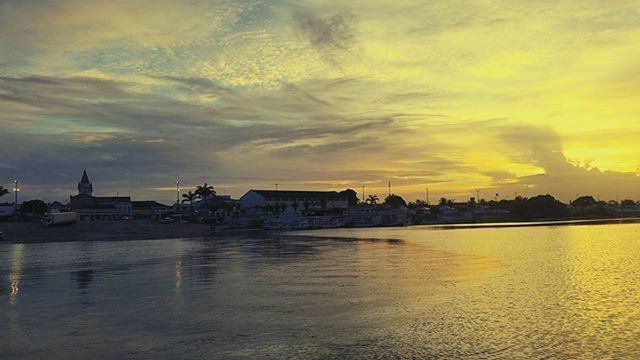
pixel 389 188
pixel 477 195
pixel 16 189
pixel 177 191
pixel 427 193
pixel 363 196
pixel 277 186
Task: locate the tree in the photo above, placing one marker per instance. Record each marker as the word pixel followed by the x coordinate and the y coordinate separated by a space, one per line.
pixel 628 203
pixel 584 201
pixel 372 199
pixel 190 197
pixel 3 191
pixel 205 191
pixel 351 195
pixel 541 206
pixel 34 207
pixel 443 201
pixel 395 201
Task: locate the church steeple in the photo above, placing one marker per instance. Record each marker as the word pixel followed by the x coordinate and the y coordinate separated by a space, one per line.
pixel 84 186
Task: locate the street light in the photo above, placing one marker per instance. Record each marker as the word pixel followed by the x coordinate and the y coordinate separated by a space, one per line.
pixel 177 191
pixel 16 189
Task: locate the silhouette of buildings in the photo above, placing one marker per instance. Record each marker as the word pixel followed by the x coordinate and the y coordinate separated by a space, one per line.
pixel 93 208
pixel 85 187
pixel 298 199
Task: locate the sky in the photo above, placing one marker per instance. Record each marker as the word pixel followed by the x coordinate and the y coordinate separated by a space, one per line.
pixel 501 97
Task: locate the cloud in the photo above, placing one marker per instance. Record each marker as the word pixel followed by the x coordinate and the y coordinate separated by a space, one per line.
pixel 456 95
pixel 559 176
pixel 333 37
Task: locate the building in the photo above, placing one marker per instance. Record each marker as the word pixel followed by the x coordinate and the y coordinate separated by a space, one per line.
pixel 7 209
pixel 93 208
pixel 56 206
pixel 149 210
pixel 298 200
pixel 84 186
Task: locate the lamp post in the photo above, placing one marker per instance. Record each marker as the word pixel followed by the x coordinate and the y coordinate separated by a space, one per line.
pixel 178 207
pixel 16 189
pixel 177 191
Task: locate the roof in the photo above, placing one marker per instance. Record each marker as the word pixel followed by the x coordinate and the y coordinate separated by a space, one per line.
pixel 85 178
pixel 294 194
pixel 112 198
pixel 148 204
pixel 56 204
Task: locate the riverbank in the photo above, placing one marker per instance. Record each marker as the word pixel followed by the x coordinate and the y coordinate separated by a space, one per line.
pixel 29 232
pixel 467 225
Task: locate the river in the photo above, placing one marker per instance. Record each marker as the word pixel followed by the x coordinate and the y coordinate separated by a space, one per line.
pixel 418 292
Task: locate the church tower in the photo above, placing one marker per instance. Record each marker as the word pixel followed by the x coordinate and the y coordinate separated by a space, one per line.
pixel 84 186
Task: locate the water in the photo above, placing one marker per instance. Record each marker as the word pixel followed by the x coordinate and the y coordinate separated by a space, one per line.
pixel 543 292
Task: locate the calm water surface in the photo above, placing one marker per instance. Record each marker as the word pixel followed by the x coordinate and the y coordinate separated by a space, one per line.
pixel 544 292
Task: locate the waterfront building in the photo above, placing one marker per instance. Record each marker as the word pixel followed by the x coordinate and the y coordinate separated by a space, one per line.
pixel 7 210
pixel 150 210
pixel 298 200
pixel 94 208
pixel 56 206
pixel 84 186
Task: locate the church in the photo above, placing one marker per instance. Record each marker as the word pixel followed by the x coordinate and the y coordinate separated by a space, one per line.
pixel 94 208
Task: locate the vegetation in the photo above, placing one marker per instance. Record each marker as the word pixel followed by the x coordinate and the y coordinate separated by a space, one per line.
pixel 395 201
pixel 351 195
pixel 540 207
pixel 205 191
pixel 190 197
pixel 627 203
pixel 584 201
pixel 372 199
pixel 34 207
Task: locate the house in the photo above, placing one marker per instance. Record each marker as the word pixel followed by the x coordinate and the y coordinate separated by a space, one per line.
pixel 56 206
pixel 297 200
pixel 7 210
pixel 149 210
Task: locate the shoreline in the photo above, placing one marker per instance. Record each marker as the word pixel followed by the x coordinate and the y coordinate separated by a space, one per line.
pixel 533 223
pixel 29 232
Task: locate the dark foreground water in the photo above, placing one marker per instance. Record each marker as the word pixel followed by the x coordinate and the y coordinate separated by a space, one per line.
pixel 544 292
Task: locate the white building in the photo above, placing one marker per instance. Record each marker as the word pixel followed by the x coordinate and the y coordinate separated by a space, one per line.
pixel 298 200
pixel 7 210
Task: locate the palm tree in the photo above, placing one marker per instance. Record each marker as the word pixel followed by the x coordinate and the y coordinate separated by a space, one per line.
pixel 3 191
pixel 204 191
pixel 190 197
pixel 372 199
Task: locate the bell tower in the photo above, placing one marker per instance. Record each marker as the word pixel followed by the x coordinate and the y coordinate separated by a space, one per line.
pixel 84 186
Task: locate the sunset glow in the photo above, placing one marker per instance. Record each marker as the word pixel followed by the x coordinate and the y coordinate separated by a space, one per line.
pixel 501 96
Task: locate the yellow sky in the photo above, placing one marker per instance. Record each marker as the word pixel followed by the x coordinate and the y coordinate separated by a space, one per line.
pixel 501 96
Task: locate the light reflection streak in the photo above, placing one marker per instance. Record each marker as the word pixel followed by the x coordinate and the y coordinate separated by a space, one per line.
pixel 16 272
pixel 178 266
